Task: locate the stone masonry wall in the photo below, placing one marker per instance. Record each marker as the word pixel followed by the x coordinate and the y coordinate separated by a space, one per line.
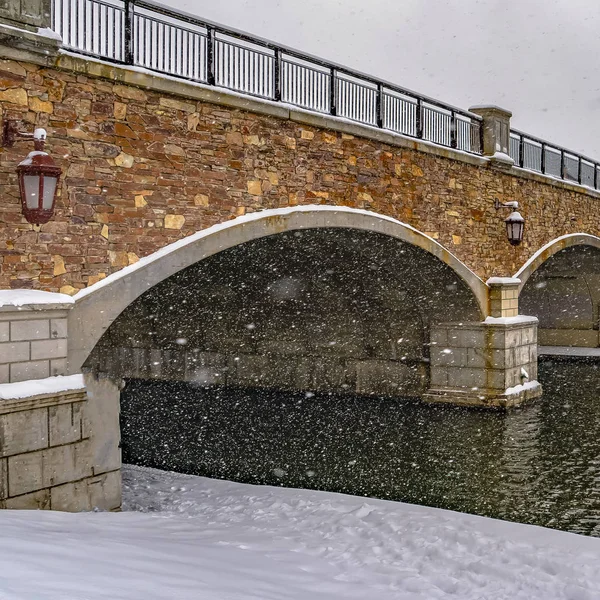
pixel 33 343
pixel 45 456
pixel 143 169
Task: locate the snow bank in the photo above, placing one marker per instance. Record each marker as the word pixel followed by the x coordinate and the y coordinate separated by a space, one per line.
pixel 28 297
pixel 202 539
pixel 38 387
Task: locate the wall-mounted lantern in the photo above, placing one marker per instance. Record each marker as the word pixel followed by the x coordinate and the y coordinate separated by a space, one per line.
pixel 515 223
pixel 38 174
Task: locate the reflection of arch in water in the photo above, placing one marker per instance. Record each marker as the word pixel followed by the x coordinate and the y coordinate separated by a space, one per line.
pixel 98 306
pixel 561 286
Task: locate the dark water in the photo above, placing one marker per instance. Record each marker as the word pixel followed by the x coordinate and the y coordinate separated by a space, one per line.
pixel 539 464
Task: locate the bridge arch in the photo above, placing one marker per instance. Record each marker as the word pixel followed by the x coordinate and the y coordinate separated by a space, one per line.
pixel 552 248
pixel 98 306
pixel 560 285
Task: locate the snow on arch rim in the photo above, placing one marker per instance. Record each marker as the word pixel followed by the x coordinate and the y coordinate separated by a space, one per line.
pixel 249 218
pixel 519 274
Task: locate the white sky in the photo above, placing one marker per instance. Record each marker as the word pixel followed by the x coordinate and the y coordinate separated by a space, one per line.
pixel 538 58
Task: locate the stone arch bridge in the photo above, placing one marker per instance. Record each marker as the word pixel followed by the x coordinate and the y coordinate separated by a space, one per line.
pixel 234 241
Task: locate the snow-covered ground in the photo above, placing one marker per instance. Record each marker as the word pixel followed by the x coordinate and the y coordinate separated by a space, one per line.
pixel 201 539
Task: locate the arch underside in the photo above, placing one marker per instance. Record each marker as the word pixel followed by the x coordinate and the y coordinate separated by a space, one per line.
pixel 314 309
pixel 97 307
pixel 564 293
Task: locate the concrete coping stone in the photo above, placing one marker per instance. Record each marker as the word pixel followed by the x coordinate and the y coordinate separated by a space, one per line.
pixel 503 282
pixel 490 108
pixel 492 322
pixel 41 401
pixel 33 300
pixel 34 388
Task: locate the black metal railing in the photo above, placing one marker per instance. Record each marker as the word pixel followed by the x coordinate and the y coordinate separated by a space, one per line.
pixel 149 35
pixel 543 157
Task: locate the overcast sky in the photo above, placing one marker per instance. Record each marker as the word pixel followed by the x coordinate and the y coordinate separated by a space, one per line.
pixel 538 58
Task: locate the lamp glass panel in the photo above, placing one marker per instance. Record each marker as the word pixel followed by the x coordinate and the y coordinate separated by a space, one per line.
pixel 49 190
pixel 31 184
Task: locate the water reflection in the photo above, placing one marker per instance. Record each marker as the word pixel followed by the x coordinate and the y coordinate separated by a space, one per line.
pixel 537 465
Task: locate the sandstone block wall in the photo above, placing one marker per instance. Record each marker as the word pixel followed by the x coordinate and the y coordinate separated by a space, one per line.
pixel 46 460
pixel 145 167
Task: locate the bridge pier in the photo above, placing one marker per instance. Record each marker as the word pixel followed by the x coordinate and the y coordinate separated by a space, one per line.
pixel 492 363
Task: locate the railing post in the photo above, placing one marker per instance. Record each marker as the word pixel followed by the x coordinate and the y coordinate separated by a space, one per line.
pixel 277 75
pixel 210 55
pixel 332 94
pixel 379 106
pixel 521 151
pixel 453 139
pixel 562 164
pixel 419 118
pixel 128 50
pixel 595 177
pixel 496 134
pixel 579 171
pixel 543 161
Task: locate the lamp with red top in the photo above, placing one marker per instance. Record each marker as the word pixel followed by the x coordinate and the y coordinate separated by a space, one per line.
pixel 38 175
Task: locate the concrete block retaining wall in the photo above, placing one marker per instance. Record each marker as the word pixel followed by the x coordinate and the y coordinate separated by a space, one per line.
pixel 46 455
pixel 33 341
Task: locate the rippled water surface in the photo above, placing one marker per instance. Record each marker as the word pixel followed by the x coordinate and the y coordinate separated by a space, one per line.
pixel 539 464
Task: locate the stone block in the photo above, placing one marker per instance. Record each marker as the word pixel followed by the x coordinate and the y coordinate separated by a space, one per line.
pixel 478 358
pixel 38 329
pixel 14 352
pixel 63 464
pixel 38 369
pixel 465 377
pixel 64 423
pixel 48 349
pixel 105 491
pixel 25 473
pixel 4 373
pixel 3 478
pixel 568 337
pixel 471 338
pixel 449 357
pixel 528 335
pixel 23 431
pixel 58 366
pixel 512 338
pixel 71 497
pixel 4 331
pixel 39 500
pixel 58 328
pixel 386 377
pixel 495 379
pixel 439 337
pixel 513 377
pixel 439 377
pixel 521 356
